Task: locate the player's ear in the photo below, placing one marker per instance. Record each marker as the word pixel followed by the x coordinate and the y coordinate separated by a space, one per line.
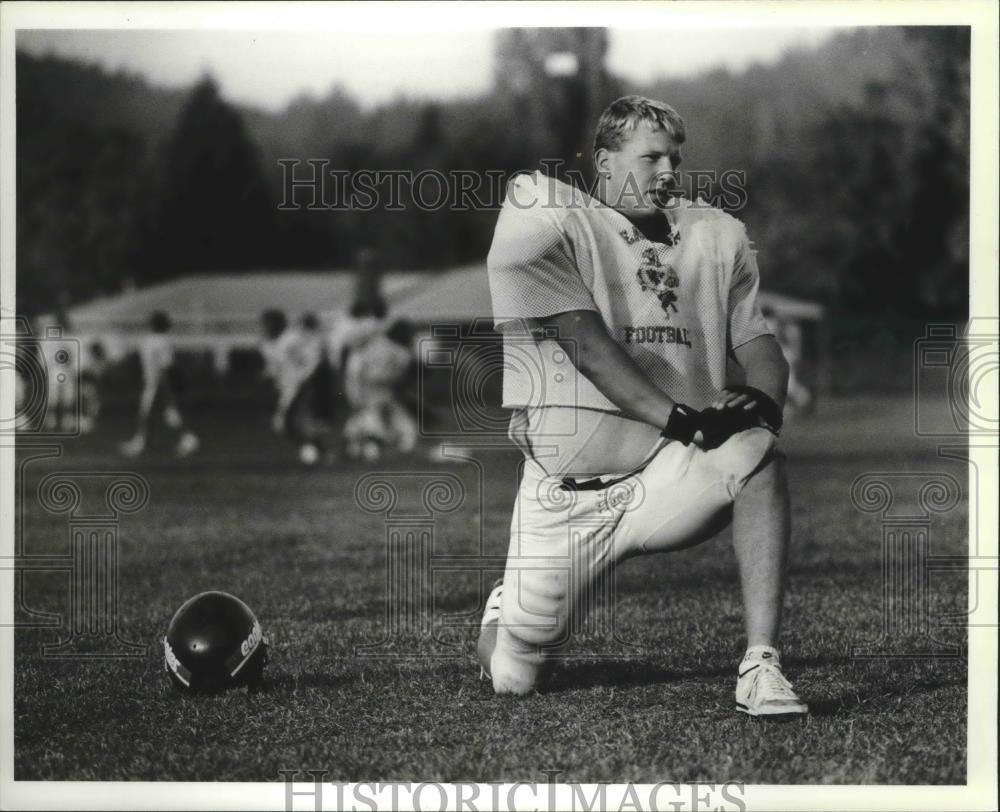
pixel 602 161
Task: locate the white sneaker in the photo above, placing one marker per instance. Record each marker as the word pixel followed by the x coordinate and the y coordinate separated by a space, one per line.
pixel 172 417
pixel 491 614
pixel 762 690
pixel 308 454
pixel 134 447
pixel 187 445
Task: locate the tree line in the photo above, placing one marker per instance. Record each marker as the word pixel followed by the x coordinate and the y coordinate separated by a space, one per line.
pixel 855 154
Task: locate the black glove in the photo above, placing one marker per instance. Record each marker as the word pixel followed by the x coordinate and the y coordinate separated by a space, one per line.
pixel 682 424
pixel 718 425
pixel 764 408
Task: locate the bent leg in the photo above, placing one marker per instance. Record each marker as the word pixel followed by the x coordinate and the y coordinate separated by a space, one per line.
pixel 742 481
pixel 402 426
pixel 533 622
pixel 685 496
pixel 761 539
pixel 561 542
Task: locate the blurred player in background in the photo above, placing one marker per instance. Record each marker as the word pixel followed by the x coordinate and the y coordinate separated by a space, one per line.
pixel 376 370
pixel 73 369
pixel 94 362
pixel 274 327
pixel 60 356
pixel 789 336
pixel 366 317
pixel 296 361
pixel 159 392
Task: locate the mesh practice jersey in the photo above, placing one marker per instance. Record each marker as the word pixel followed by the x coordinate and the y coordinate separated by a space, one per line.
pixel 374 368
pixel 677 308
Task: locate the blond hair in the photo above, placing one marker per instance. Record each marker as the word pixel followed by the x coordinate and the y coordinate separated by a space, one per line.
pixel 623 115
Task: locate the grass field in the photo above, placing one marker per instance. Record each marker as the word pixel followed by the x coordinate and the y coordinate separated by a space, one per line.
pixel 243 516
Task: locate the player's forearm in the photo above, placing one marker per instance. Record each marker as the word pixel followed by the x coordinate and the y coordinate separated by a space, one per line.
pixel 765 367
pixel 625 385
pixel 609 368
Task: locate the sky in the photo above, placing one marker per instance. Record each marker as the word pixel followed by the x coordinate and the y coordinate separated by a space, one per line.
pixel 270 68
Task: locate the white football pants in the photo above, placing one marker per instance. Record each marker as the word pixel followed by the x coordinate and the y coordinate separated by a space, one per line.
pixel 563 540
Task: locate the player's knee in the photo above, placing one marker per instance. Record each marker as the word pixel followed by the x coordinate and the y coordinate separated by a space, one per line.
pixel 768 455
pixel 770 473
pixel 743 455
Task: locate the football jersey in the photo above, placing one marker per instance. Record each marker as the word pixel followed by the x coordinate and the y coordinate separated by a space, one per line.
pixel 273 356
pixel 348 333
pixel 374 368
pixel 677 308
pixel 299 353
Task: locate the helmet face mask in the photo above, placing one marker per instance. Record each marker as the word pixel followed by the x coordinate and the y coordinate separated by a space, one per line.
pixel 214 643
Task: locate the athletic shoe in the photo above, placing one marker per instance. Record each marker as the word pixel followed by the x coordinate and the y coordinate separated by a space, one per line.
pixel 134 447
pixel 491 614
pixel 308 454
pixel 187 444
pixel 172 417
pixel 762 690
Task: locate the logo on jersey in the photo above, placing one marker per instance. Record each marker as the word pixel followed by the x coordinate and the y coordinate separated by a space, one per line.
pixel 633 235
pixel 661 279
pixel 657 334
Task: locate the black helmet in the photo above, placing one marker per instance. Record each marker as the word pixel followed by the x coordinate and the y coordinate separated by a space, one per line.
pixel 214 642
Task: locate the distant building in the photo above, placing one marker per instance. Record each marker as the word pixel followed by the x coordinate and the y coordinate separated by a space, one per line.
pixel 219 313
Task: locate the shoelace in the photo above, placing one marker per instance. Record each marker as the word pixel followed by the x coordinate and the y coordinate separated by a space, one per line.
pixel 772 680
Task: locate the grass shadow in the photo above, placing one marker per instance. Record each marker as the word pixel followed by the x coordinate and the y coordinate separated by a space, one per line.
pixel 845 703
pixel 635 673
pixel 294 682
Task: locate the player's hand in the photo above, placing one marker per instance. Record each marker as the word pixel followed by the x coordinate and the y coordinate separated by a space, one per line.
pixel 718 425
pixel 683 425
pixel 732 398
pixel 278 423
pixel 708 428
pixel 755 407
